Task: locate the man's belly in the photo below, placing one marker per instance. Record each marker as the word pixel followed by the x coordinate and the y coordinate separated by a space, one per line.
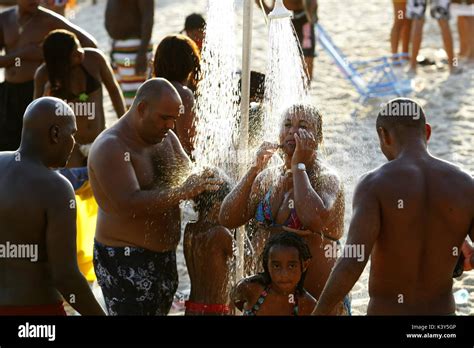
pixel 160 233
pixel 23 73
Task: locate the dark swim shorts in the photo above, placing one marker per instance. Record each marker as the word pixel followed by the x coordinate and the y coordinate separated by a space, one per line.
pixel 136 281
pixel 306 33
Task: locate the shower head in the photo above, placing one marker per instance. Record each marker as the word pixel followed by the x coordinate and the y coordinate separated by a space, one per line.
pixel 280 11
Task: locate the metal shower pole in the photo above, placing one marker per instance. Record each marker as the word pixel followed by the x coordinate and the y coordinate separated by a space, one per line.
pixel 244 121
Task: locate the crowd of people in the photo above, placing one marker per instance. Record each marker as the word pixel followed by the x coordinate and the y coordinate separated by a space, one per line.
pixel 413 213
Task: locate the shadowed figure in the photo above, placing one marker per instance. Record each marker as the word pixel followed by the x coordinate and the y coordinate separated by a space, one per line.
pixel 138 171
pixel 37 207
pixel 412 216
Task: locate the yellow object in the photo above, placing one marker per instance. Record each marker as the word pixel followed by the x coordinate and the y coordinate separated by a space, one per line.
pixel 87 209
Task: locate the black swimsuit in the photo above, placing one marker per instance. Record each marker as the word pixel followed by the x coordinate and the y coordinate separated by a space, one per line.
pixel 92 85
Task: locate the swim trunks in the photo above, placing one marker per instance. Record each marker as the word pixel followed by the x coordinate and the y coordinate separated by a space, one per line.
pixel 439 9
pixel 136 281
pixel 305 32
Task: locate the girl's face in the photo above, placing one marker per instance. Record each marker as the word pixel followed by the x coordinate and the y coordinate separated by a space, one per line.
pixel 292 123
pixel 285 268
pixel 77 55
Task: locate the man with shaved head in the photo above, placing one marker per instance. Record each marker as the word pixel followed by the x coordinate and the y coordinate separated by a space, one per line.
pixel 38 260
pixel 138 171
pixel 411 215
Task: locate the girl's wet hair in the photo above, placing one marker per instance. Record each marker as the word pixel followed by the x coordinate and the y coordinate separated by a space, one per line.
pixel 314 115
pixel 206 200
pixel 58 47
pixel 177 58
pixel 285 239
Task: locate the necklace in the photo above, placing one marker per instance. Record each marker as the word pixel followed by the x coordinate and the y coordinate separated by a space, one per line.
pixel 21 27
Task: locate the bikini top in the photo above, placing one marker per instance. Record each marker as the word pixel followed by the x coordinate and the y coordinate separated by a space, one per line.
pixel 92 85
pixel 256 307
pixel 264 215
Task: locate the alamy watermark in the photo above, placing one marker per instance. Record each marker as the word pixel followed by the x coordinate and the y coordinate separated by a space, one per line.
pixel 19 251
pixel 412 110
pixel 85 109
pixel 335 250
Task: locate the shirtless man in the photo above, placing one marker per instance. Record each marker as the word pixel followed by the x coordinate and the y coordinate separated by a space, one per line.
pixel 304 17
pixel 137 169
pixel 210 276
pixel 412 216
pixel 22 30
pixel 37 208
pixel 131 35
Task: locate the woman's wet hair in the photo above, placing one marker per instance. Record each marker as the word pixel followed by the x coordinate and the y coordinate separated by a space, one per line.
pixel 58 47
pixel 206 200
pixel 314 114
pixel 177 58
pixel 285 239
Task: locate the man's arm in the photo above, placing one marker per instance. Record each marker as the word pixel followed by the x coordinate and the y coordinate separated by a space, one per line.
pixel 59 22
pixel 41 78
pixel 111 84
pixel 62 252
pixel 364 230
pixel 112 167
pixel 147 11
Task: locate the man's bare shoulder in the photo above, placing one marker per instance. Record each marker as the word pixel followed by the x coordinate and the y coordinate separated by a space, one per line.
pixel 107 143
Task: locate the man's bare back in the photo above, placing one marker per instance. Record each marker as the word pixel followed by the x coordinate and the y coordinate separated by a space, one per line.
pixel 425 218
pixel 411 216
pixel 38 209
pixel 26 281
pixel 122 27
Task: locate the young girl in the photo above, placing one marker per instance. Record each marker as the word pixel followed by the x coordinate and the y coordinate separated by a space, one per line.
pixel 279 289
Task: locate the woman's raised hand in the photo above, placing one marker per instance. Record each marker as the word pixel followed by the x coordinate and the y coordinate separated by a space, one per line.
pixel 264 153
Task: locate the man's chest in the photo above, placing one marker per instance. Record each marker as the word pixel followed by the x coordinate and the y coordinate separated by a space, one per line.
pixel 19 34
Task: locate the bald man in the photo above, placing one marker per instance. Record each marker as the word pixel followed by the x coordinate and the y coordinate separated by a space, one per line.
pixel 22 30
pixel 38 219
pixel 137 170
pixel 411 216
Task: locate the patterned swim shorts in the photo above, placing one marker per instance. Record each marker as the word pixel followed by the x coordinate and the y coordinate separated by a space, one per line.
pixel 136 281
pixel 439 9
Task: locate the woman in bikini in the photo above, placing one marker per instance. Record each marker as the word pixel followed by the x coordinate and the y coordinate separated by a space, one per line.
pixel 278 290
pixel 303 196
pixel 76 75
pixel 177 59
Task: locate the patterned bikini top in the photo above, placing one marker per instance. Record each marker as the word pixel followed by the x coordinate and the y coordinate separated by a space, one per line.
pixel 256 307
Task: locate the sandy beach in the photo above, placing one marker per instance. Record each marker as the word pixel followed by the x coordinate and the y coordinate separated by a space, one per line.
pixel 361 29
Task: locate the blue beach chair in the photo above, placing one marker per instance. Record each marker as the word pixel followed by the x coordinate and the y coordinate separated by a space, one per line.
pixel 372 78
